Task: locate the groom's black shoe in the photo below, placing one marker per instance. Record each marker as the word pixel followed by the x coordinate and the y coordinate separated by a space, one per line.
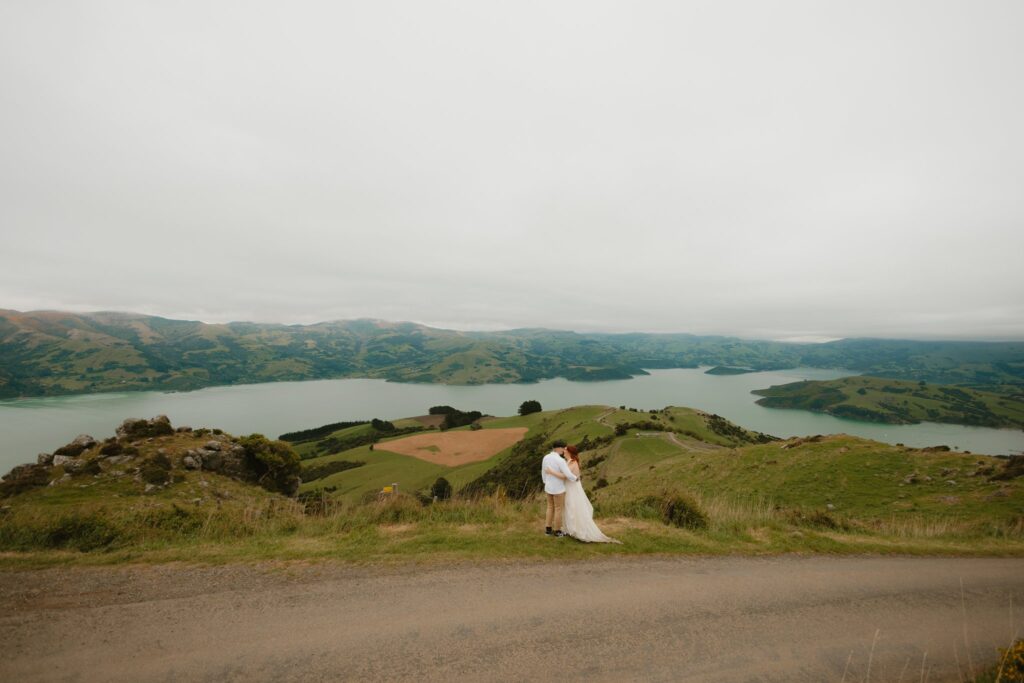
pixel 547 531
pixel 559 534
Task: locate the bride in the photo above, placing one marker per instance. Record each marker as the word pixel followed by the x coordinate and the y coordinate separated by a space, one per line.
pixel 578 515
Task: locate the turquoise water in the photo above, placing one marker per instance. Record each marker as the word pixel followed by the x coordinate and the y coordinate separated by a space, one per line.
pixel 28 426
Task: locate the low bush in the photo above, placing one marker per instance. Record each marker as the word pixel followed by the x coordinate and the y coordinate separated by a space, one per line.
pixel 674 509
pixel 82 532
pixel 156 470
pixel 814 518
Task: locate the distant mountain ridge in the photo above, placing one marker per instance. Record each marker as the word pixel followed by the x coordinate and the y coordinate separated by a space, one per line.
pixel 52 353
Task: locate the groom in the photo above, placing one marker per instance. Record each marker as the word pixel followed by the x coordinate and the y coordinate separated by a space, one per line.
pixel 555 487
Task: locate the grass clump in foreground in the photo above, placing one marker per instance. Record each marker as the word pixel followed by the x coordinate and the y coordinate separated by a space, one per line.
pixel 402 528
pixel 1009 668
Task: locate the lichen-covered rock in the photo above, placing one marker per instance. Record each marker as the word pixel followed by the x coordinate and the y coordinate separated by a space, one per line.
pixel 74 465
pixel 44 459
pixel 211 460
pixel 82 443
pixel 192 462
pixel 62 460
pixel 134 428
pixel 212 445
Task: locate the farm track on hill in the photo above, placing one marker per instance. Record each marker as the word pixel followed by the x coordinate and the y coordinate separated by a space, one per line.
pixel 697 619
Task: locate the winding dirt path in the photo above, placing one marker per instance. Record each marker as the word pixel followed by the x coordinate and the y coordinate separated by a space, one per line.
pixel 704 619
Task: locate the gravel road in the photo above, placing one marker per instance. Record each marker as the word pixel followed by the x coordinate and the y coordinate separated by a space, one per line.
pixel 696 619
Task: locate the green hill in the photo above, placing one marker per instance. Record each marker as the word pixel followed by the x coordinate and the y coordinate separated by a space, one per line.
pixel 629 455
pixel 897 402
pixel 675 480
pixel 50 353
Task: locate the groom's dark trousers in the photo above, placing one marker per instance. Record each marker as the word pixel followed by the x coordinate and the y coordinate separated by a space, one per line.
pixel 556 501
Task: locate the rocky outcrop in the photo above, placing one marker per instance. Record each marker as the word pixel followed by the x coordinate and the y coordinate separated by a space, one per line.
pixel 155 454
pixel 24 477
pixel 134 428
pixel 82 443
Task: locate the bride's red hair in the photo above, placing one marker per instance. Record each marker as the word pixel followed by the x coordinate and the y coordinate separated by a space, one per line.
pixel 574 454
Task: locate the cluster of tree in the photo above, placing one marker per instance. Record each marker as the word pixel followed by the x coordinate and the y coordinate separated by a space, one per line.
pixel 441 490
pixel 589 444
pixel 454 417
pixel 318 432
pixel 328 468
pixel 642 425
pixel 337 444
pixel 517 475
pixel 529 407
pixel 719 425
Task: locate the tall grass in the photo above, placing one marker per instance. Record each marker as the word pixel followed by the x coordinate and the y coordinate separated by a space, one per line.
pixel 725 521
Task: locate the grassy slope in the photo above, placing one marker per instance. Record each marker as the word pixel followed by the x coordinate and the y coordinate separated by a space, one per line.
pixel 898 402
pixel 860 478
pixel 753 496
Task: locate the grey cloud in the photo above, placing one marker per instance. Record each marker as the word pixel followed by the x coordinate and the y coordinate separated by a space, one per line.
pixel 786 169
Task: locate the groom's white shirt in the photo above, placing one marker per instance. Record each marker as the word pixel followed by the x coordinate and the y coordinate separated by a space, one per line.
pixel 553 484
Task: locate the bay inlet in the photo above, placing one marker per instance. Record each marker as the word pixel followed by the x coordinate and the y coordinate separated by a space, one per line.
pixel 30 426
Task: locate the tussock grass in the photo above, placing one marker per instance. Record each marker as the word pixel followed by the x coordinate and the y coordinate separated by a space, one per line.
pixel 402 528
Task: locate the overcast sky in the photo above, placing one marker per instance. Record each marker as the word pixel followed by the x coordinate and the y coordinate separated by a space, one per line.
pixel 766 169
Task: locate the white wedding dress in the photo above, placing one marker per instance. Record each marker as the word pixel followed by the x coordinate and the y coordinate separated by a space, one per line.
pixel 578 516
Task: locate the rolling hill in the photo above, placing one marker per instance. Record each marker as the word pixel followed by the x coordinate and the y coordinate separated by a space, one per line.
pixel 897 402
pixel 674 480
pixel 629 456
pixel 45 353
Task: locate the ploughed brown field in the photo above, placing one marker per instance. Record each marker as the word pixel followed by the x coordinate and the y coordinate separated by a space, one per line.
pixel 455 448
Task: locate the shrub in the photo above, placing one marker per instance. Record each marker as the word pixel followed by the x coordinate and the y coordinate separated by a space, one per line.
pixel 815 518
pixel 80 532
pixel 275 463
pixel 600 483
pixel 156 470
pixel 518 474
pixel 111 448
pixel 441 490
pixel 1009 668
pixel 529 407
pixel 683 512
pixel 671 508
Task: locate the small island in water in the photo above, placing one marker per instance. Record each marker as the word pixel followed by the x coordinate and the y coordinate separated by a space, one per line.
pixel 729 370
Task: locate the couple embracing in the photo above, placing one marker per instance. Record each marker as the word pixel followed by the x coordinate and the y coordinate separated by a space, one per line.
pixel 569 510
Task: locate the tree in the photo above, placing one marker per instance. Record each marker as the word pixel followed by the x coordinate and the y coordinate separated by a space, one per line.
pixel 442 410
pixel 529 407
pixel 442 490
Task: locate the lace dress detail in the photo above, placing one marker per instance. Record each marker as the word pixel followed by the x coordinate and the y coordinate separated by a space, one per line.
pixel 578 516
